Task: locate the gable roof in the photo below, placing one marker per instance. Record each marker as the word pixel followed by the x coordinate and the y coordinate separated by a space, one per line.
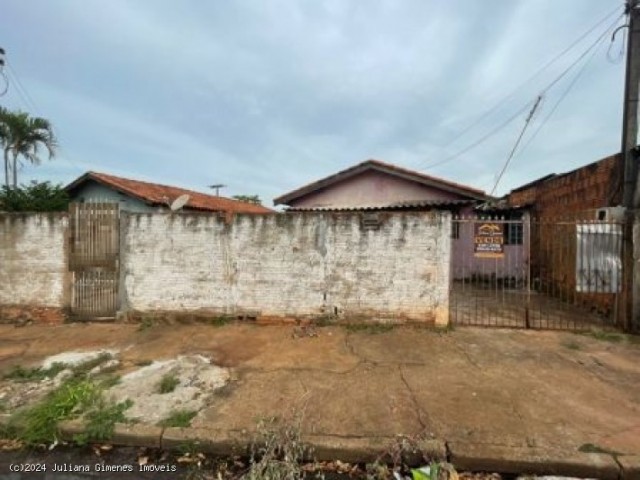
pixel 377 165
pixel 157 194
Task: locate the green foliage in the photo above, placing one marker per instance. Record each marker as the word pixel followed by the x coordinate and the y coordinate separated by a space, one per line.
pixel 220 321
pixel 21 374
pixel 101 420
pixel 168 383
pixel 34 197
pixel 21 139
pixel 39 424
pixel 178 418
pixel 255 199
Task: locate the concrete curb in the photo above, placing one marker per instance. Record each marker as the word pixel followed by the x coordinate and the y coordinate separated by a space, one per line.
pixel 464 456
pixel 533 461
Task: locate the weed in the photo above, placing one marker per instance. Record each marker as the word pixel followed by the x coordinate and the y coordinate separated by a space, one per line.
pixel 591 448
pixel 277 453
pixel 109 381
pixel 69 400
pixel 571 345
pixel 168 383
pixel 613 337
pixel 178 418
pixel 143 363
pixel 82 370
pixel 21 374
pixel 372 328
pixel 219 321
pixel 324 320
pixel 145 324
pixel 101 420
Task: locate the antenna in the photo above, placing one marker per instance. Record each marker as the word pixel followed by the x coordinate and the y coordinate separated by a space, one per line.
pixel 179 202
pixel 217 188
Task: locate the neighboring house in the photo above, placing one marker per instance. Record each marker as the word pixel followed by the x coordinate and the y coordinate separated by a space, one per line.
pixel 143 197
pixel 582 192
pixel 375 185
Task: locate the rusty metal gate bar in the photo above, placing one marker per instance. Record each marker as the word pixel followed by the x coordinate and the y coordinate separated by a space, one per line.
pixel 93 259
pixel 542 274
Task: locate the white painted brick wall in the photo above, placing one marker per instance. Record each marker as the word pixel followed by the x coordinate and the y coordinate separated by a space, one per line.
pixel 289 264
pixel 33 264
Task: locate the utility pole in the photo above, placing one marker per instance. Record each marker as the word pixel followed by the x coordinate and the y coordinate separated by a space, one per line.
pixel 631 191
pixel 631 185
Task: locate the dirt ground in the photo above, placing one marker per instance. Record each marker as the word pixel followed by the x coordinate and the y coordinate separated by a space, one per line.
pixel 515 388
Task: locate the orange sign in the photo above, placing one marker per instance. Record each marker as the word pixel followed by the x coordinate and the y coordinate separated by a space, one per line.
pixel 488 240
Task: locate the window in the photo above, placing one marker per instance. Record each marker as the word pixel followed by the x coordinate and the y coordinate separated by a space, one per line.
pixel 455 230
pixel 514 233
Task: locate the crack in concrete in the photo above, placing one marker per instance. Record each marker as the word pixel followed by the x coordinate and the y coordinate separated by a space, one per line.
pixel 416 405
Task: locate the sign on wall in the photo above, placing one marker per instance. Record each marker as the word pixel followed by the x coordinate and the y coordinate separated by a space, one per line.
pixel 488 240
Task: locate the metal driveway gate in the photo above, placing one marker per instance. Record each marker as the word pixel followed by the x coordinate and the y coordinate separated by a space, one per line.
pixel 535 273
pixel 93 259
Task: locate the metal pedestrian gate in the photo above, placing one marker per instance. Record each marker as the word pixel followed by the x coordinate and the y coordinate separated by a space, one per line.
pixel 93 259
pixel 536 273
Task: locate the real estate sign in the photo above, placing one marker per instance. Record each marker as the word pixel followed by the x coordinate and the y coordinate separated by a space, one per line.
pixel 488 240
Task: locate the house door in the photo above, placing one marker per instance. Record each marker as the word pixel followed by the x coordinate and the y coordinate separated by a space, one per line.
pixel 94 259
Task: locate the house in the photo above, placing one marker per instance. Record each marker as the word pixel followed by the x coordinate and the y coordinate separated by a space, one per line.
pixel 142 197
pixel 376 185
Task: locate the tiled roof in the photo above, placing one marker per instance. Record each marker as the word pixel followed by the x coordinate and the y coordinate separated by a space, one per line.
pixel 391 206
pixel 437 182
pixel 156 194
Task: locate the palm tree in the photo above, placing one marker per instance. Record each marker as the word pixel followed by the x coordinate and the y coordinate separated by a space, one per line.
pixel 22 136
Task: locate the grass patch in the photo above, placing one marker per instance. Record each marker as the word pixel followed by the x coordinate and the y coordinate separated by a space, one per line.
pixel 571 345
pixel 220 321
pixel 591 448
pixel 145 324
pixel 604 336
pixel 372 328
pixel 178 418
pixel 168 383
pixel 101 420
pixel 143 363
pixel 82 369
pixel 21 374
pixel 39 424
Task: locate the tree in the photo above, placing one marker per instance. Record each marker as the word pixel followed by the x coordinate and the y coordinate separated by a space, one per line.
pixel 22 136
pixel 35 197
pixel 248 199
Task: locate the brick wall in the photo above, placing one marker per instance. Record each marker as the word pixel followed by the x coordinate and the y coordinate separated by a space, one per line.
pixel 33 262
pixel 578 192
pixel 289 265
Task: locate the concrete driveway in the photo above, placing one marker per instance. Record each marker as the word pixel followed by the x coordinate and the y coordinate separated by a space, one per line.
pixel 511 388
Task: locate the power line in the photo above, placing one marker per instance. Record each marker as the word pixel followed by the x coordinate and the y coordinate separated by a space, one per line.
pixel 560 99
pixel 524 108
pixel 536 74
pixel 515 147
pixel 30 103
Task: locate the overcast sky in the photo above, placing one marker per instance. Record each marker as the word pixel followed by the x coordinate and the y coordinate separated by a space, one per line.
pixel 264 96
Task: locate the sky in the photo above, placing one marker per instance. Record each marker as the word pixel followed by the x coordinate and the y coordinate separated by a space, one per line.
pixel 265 96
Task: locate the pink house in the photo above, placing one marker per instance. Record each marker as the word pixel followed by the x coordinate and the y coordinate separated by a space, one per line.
pixel 375 185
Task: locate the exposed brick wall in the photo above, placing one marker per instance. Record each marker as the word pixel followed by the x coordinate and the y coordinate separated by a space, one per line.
pixel 289 265
pixel 578 192
pixel 33 262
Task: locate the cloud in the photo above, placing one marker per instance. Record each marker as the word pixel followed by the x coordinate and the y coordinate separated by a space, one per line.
pixel 265 96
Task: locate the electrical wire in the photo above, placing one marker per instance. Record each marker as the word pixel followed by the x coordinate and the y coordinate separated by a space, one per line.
pixel 524 108
pixel 515 147
pixel 564 94
pixel 553 60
